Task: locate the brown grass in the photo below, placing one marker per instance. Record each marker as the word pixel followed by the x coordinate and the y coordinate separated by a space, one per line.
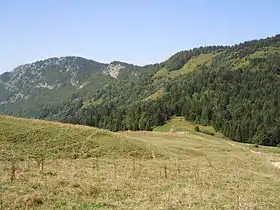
pixel 193 171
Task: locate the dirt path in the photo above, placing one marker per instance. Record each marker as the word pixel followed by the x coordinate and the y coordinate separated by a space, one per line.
pixel 276 164
pixel 258 153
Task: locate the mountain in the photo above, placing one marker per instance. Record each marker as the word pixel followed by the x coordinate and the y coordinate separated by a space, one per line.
pixel 236 89
pixel 55 80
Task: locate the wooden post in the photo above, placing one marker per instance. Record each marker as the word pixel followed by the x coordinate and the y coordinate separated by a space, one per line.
pixel 133 167
pixel 165 171
pixel 115 168
pixel 13 171
pixel 1 203
pixel 42 163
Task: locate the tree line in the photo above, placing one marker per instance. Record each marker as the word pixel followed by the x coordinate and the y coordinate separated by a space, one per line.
pixel 242 102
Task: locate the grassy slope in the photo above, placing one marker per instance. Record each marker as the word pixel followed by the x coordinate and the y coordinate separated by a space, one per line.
pixel 207 58
pixel 161 73
pixel 193 63
pixel 244 62
pixel 21 138
pixel 156 95
pixel 202 171
pixel 179 124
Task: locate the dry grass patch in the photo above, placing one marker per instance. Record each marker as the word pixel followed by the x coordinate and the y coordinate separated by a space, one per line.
pixel 185 170
pixel 202 181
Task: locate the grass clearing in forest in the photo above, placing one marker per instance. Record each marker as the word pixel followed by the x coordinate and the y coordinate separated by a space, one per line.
pixel 161 73
pixel 156 95
pixel 193 63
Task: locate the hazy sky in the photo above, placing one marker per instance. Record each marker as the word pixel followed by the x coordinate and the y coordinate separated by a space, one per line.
pixel 139 32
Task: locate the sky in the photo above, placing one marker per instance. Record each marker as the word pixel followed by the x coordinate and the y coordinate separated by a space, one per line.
pixel 139 32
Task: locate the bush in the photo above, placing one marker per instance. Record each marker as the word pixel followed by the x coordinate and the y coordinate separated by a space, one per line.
pixel 208 133
pixel 196 128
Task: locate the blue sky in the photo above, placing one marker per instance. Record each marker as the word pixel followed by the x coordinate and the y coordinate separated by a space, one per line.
pixel 139 32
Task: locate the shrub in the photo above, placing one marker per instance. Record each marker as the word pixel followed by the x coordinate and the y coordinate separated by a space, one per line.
pixel 208 133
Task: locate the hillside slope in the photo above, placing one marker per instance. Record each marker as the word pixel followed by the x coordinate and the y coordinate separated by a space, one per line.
pixel 89 168
pixel 27 88
pixel 22 139
pixel 235 89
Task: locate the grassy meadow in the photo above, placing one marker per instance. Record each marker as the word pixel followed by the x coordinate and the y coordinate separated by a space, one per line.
pixel 48 165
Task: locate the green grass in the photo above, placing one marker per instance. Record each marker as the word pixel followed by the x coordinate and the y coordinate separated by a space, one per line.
pixel 180 124
pixel 264 149
pixel 264 52
pixel 22 138
pixel 156 95
pixel 261 53
pixel 241 63
pixel 181 169
pixel 258 54
pixel 193 63
pixel 161 73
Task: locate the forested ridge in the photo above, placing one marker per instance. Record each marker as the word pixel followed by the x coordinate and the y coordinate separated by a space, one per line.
pixel 235 89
